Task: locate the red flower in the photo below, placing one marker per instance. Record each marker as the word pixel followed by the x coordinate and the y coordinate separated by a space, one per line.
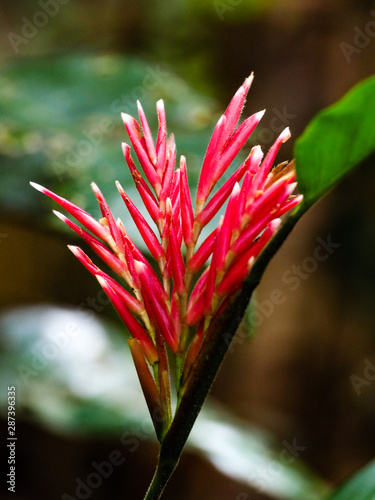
pixel 165 306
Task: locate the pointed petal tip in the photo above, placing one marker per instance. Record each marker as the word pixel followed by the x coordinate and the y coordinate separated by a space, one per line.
pixel 102 281
pixel 246 84
pixel 285 134
pixel 140 267
pixel 236 188
pixel 127 119
pixel 74 249
pixel 168 205
pixel 221 120
pixel 275 224
pixel 120 188
pixel 183 164
pixel 249 79
pixel 257 153
pixel 59 215
pixel 94 187
pixel 292 186
pixel 38 187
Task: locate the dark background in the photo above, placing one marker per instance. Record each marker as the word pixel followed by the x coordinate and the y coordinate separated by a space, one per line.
pixel 294 378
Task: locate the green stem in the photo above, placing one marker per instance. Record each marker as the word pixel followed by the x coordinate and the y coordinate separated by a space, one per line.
pixel 161 477
pixel 208 362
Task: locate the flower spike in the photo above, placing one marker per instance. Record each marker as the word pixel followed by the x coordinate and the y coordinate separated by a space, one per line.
pixel 172 312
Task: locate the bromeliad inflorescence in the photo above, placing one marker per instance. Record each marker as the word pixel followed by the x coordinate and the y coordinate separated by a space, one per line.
pixel 172 308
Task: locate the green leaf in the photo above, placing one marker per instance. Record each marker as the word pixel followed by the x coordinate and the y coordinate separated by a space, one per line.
pixel 337 140
pixel 361 486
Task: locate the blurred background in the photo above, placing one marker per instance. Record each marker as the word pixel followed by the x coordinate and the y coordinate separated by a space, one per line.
pixel 292 410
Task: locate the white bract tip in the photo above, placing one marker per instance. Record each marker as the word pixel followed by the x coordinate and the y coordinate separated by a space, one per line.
pixel 168 205
pixel 60 215
pixel 160 104
pixel 127 119
pixel 249 79
pixel 275 224
pixel 103 283
pixel 236 189
pixel 76 250
pixel 291 187
pixel 250 262
pixel 95 188
pixel 38 187
pixel 285 134
pixel 139 266
pixel 221 121
pixel 259 115
pixel 182 162
pixel 119 187
pixel 256 152
pixel 256 155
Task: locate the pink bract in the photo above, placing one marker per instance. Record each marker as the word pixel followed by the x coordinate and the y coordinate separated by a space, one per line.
pixel 175 296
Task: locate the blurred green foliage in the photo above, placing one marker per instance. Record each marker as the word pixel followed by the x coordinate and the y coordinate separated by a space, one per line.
pixel 61 125
pixel 50 353
pixel 361 486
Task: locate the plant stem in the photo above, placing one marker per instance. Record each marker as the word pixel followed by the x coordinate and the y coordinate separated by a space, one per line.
pixel 161 477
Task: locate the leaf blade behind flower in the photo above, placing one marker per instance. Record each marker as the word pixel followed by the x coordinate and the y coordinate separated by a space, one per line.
pixel 336 141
